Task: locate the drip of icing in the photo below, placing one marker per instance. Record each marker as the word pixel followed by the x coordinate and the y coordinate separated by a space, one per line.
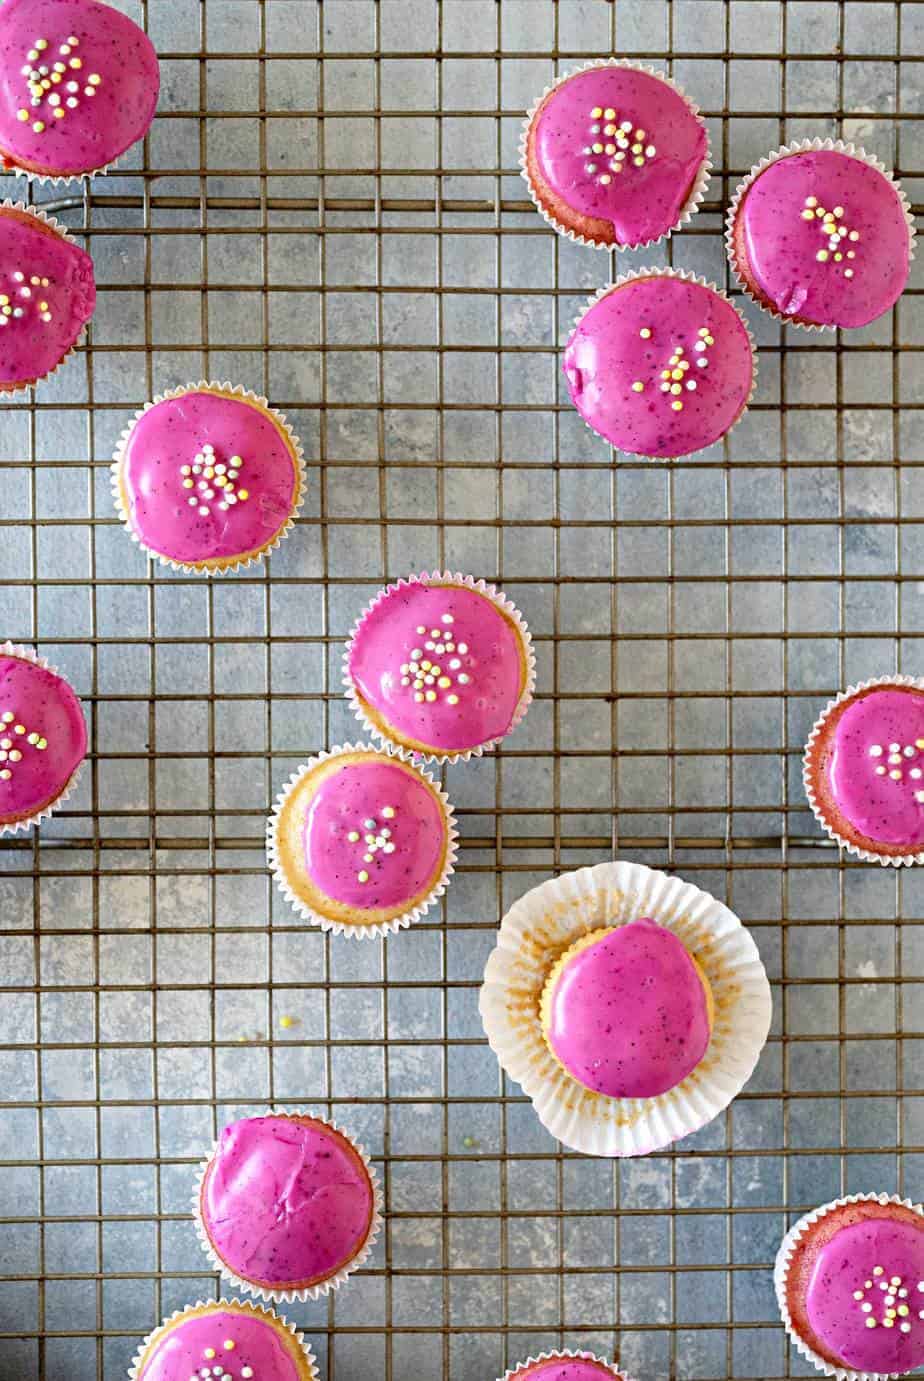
pixel 880 805
pixel 194 1347
pixel 45 709
pixel 47 296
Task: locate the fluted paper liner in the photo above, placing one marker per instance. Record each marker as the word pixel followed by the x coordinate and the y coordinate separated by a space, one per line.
pixel 497 598
pixel 9 649
pixel 781 1272
pixel 700 182
pixel 867 855
pixel 565 1355
pixel 230 563
pixel 544 923
pixel 325 1286
pixel 785 151
pixel 245 1306
pixel 8 205
pixel 378 929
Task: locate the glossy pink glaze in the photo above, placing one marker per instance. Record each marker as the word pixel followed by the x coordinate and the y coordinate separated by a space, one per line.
pixel 876 804
pixel 387 638
pixel 628 1015
pixel 30 346
pixel 181 1352
pixel 101 127
pixel 846 1265
pixel 43 704
pixel 171 435
pixel 342 804
pixel 567 1369
pixel 285 1203
pixel 606 355
pixel 641 203
pixel 782 246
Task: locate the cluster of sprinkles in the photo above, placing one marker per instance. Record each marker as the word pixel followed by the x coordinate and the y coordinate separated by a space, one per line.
pixel 375 838
pixel 674 378
pixel 427 676
pixel 213 479
pixel 616 141
pixel 831 223
pixel 12 735
pixel 899 757
pixel 896 1310
pixel 219 1370
pixel 20 299
pixel 44 77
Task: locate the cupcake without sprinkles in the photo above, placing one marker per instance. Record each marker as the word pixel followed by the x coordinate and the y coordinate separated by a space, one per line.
pixel 614 155
pixel 79 86
pixel 43 738
pixel 224 1341
pixel 565 1366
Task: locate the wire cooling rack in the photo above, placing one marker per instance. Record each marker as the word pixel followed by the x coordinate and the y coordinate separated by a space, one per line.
pixel 327 211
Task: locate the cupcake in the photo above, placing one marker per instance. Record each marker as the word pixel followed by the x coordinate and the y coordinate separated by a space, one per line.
pixel 80 85
pixel 287 1206
pixel 227 1341
pixel 565 1366
pixel 863 770
pixel 630 1006
pixel 615 155
pixel 820 235
pixel 849 1280
pixel 440 665
pixel 47 297
pixel 43 738
pixel 361 842
pixel 208 478
pixel 660 364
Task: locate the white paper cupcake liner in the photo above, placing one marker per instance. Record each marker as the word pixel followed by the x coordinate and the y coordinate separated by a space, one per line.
pixel 230 563
pixel 311 1370
pixel 512 1373
pixel 688 277
pixel 697 192
pixel 378 929
pixel 785 151
pixel 544 923
pixel 313 1292
pixel 9 649
pixel 781 1272
pixel 868 855
pixel 8 205
pixel 497 598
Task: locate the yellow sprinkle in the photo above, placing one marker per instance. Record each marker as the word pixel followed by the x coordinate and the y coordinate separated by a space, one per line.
pixel 388 812
pixel 605 179
pixel 665 374
pixel 677 405
pixel 609 148
pixel 452 699
pixel 676 388
pixel 895 774
pixel 808 215
pixel 811 201
pixel 838 212
pixel 638 161
pixel 209 1352
pixel 597 148
pixel 430 696
pixel 854 235
pixel 676 373
pixel 888 1323
pixel 22 115
pixel 638 386
pixel 636 148
pixel 610 113
pixel 94 79
pixel 243 494
pixel 820 212
pixel 444 682
pixel 38 126
pixel 363 876
pixel 870 1323
pixel 41 44
pixel 596 112
pixel 640 134
pixel 903 1310
pixel 229 1344
pixel 75 63
pixel 837 258
pixel 609 129
pixel 645 333
pixel 822 256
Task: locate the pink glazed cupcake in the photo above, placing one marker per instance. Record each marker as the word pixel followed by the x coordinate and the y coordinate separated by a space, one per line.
pixel 660 364
pixel 43 739
pixel 565 1366
pixel 224 1341
pixel 288 1206
pixel 80 85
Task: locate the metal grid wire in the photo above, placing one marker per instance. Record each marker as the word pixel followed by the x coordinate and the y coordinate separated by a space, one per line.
pixel 362 251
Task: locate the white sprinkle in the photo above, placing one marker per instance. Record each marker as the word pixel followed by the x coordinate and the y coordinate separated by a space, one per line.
pixel 462 647
pixel 875 750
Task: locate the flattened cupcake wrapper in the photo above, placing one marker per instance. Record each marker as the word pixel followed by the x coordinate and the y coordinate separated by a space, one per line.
pixel 689 278
pixel 9 649
pixel 8 205
pixel 231 563
pixel 785 151
pixel 223 1303
pixel 781 1272
pixel 867 855
pixel 497 598
pixel 566 1354
pixel 700 183
pixel 543 924
pixel 334 1282
pixel 360 931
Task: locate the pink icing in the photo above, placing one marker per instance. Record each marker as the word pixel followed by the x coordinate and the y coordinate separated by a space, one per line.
pixel 628 1015
pixel 782 245
pixel 846 1266
pixel 412 838
pixel 481 661
pixel 101 126
pixel 284 1202
pixel 189 1348
pixel 50 294
pixel 880 806
pixel 168 439
pixel 568 1369
pixel 44 707
pixel 607 354
pixel 642 202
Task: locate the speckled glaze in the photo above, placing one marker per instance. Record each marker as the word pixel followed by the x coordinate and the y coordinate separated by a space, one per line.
pixel 286 1203
pixel 878 805
pixel 30 249
pixel 566 1369
pixel 43 704
pixel 101 127
pixel 170 436
pixel 187 1346
pixel 627 1014
pixel 607 353
pixel 776 247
